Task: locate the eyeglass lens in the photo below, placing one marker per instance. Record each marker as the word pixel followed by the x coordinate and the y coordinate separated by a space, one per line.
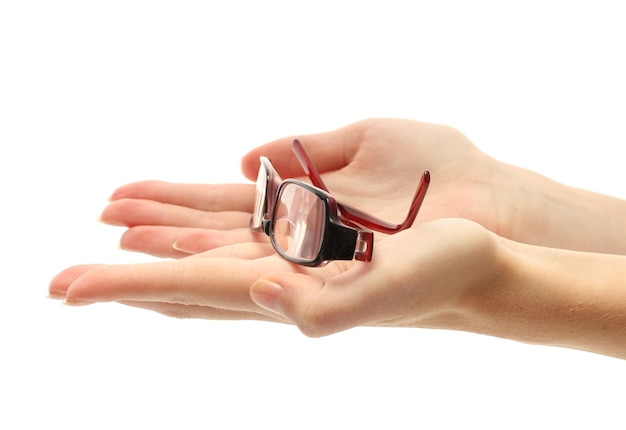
pixel 298 223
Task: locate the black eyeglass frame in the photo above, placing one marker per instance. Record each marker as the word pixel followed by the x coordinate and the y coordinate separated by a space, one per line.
pixel 338 242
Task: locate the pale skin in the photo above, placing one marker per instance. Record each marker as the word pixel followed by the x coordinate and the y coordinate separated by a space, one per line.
pixel 496 249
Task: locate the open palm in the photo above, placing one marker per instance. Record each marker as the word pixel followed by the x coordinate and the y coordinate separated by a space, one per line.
pixel 374 165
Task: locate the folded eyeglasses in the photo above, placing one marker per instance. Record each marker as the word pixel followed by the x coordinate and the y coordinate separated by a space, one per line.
pixel 308 226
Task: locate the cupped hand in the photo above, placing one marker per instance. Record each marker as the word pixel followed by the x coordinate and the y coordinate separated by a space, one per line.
pixel 422 276
pixel 374 165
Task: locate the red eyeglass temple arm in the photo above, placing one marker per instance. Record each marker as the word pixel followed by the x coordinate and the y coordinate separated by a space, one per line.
pixel 307 165
pixel 354 214
pixel 377 224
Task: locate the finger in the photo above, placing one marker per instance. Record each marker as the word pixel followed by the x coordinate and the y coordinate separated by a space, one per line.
pixel 59 284
pixel 132 212
pixel 202 312
pixel 158 241
pixel 195 241
pixel 217 282
pixel 177 242
pixel 205 197
pixel 329 151
pixel 242 251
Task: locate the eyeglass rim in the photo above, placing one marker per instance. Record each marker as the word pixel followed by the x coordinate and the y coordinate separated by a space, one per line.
pixel 270 186
pixel 339 241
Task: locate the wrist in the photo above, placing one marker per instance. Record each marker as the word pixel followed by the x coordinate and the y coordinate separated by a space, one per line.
pixel 537 210
pixel 553 297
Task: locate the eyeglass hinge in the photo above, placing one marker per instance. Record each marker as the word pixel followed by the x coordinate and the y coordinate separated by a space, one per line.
pixel 364 246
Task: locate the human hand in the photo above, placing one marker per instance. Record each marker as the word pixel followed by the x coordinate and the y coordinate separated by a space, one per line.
pixel 374 165
pixel 447 273
pixel 409 283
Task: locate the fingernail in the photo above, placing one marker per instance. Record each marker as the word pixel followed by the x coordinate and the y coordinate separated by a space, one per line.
pixel 179 248
pixel 267 295
pixel 73 302
pixel 101 220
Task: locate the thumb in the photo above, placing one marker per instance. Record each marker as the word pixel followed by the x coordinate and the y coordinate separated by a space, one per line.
pixel 329 151
pixel 317 306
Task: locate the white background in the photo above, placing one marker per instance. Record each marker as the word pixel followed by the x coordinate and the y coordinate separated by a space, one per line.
pixel 97 94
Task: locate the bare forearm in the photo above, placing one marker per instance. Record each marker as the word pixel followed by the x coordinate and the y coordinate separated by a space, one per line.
pixel 545 212
pixel 555 297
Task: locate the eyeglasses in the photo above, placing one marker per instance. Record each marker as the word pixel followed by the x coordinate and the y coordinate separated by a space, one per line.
pixel 307 225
